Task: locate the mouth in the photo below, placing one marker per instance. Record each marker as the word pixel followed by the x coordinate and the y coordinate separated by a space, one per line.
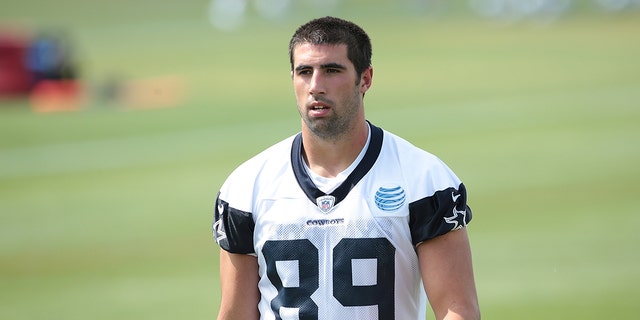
pixel 318 109
pixel 318 105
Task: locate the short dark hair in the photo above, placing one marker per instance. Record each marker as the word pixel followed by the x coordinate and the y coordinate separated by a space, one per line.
pixel 331 30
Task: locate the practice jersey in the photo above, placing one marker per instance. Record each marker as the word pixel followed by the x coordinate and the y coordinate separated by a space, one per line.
pixel 349 254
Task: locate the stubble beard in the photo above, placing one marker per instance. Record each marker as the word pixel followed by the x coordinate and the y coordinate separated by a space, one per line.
pixel 335 126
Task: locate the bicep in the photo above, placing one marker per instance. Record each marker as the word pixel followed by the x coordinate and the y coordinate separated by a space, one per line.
pixel 239 286
pixel 447 274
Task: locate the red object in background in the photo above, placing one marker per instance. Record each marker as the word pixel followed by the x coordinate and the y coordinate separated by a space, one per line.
pixel 15 78
pixel 56 95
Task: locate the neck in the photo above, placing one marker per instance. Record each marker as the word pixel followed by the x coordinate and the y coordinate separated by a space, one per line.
pixel 328 158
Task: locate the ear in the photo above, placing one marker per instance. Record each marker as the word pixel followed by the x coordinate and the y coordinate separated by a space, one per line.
pixel 366 79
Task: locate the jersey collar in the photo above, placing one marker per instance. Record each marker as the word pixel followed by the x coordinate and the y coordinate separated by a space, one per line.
pixel 310 189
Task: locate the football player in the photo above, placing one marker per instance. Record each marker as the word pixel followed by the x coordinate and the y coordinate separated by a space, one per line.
pixel 343 220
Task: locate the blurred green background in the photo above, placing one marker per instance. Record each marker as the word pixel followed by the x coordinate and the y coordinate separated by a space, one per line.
pixel 105 213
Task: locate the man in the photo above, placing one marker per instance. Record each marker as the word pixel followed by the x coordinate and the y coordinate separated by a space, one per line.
pixel 343 220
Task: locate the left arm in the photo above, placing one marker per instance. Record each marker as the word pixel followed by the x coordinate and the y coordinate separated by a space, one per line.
pixel 447 274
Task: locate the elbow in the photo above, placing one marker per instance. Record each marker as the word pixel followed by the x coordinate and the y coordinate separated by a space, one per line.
pixel 466 312
pixel 475 314
pixel 471 313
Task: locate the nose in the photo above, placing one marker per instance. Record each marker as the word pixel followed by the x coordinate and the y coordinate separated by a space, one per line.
pixel 316 84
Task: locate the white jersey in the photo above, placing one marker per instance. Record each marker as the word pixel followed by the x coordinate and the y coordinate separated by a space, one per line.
pixel 349 254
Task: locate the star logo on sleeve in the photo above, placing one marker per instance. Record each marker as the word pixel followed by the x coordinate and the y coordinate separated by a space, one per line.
pixel 458 219
pixel 218 226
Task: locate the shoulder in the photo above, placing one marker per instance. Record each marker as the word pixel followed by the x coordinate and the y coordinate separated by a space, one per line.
pixel 418 166
pixel 408 154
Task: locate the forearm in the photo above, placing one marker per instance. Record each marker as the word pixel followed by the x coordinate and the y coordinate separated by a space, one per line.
pixel 238 314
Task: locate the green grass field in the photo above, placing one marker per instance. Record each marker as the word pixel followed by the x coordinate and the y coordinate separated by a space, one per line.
pixel 106 213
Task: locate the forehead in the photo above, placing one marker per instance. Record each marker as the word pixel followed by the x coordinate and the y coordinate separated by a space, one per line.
pixel 312 54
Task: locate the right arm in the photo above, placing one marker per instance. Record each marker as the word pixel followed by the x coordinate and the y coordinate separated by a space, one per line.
pixel 239 283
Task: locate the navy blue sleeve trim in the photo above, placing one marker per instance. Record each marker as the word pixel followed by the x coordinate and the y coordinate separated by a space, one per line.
pixel 233 228
pixel 444 211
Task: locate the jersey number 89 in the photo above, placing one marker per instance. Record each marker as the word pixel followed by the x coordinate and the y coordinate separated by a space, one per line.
pixel 348 294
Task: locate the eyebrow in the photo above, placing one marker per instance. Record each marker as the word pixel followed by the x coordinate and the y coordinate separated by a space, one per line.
pixel 331 65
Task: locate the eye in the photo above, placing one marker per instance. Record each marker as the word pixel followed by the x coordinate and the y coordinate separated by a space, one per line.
pixel 332 70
